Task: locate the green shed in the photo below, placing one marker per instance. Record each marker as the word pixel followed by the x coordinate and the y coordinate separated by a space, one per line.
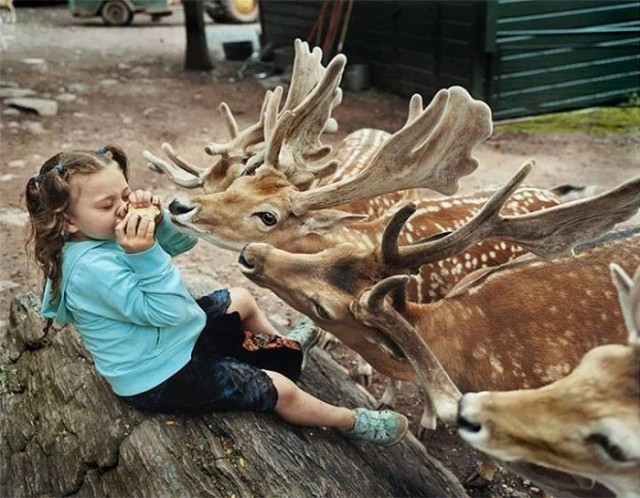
pixel 522 57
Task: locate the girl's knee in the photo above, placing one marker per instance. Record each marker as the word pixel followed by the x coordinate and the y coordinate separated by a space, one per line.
pixel 242 300
pixel 286 388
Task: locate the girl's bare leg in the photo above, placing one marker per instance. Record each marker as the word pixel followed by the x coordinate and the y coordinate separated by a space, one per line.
pixel 251 316
pixel 301 408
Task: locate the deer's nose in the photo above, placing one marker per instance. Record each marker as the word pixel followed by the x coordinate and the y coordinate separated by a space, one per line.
pixel 179 207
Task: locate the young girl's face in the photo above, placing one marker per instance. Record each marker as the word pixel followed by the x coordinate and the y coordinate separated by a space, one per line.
pixel 98 203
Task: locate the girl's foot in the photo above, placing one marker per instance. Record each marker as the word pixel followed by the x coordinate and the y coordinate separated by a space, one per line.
pixel 382 428
pixel 306 333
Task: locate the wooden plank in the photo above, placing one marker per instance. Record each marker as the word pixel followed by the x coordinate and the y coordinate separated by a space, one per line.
pixel 525 8
pixel 568 76
pixel 560 58
pixel 620 87
pixel 572 40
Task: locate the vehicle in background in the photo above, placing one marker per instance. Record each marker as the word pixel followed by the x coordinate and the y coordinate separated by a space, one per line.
pixel 120 12
pixel 236 11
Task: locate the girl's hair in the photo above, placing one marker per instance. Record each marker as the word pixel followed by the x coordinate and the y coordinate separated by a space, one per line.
pixel 48 194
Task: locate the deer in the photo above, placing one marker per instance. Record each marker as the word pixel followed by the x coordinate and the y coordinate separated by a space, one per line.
pixel 587 423
pixel 325 286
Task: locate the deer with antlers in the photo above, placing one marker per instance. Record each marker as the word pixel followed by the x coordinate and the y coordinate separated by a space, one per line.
pixel 469 330
pixel 587 423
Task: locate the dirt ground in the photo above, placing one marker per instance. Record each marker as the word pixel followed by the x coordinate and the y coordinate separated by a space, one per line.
pixel 127 86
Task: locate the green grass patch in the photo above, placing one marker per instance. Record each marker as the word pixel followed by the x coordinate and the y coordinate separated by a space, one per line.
pixel 597 121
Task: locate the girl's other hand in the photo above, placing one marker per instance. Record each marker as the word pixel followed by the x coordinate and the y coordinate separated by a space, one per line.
pixel 135 233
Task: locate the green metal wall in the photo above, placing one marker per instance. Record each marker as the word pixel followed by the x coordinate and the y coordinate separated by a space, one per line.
pixel 523 57
pixel 550 55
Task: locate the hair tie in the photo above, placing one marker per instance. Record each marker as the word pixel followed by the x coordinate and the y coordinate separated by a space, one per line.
pixel 102 151
pixel 59 168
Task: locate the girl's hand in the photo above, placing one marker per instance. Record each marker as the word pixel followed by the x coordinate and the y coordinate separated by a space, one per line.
pixel 143 198
pixel 135 233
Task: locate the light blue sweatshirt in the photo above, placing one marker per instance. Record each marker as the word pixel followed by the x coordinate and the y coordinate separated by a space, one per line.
pixel 133 312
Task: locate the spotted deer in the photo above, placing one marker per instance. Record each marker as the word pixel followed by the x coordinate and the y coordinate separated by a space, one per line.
pixel 587 423
pixel 470 330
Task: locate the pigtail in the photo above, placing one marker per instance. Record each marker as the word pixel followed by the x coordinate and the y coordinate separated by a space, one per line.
pixel 47 196
pixel 118 155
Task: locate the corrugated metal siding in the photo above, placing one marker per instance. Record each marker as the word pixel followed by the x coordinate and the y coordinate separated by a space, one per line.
pixel 550 55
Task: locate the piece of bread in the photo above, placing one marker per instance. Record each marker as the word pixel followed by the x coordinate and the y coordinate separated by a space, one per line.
pixel 150 212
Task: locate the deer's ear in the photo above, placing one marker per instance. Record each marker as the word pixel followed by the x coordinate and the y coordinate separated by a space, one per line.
pixel 328 220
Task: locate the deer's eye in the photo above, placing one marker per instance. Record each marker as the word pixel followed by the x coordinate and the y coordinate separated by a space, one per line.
pixel 321 312
pixel 268 218
pixel 612 450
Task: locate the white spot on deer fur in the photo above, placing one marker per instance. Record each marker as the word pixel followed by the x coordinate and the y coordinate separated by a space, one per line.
pixel 492 254
pixel 433 209
pixel 479 353
pixel 445 204
pixel 496 366
pixel 555 372
pixel 484 257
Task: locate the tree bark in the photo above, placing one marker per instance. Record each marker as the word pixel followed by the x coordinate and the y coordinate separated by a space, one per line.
pixel 64 433
pixel 197 55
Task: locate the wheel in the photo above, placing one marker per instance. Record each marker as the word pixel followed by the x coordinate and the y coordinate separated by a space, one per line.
pixel 116 13
pixel 237 11
pixel 240 11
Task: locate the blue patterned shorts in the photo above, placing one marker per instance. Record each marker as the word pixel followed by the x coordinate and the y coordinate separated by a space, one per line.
pixel 225 372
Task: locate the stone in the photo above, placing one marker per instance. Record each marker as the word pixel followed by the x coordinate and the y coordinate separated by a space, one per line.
pixel 44 107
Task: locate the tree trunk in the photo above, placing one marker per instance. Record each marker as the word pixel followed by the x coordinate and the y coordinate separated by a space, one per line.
pixel 64 433
pixel 197 56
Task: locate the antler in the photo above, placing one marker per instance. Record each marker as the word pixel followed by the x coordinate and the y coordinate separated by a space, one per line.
pixel 629 295
pixel 311 117
pixel 546 233
pixel 374 310
pixel 225 170
pixel 293 137
pixel 434 149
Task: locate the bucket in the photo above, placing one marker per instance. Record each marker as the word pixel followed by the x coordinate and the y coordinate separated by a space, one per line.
pixel 237 51
pixel 357 77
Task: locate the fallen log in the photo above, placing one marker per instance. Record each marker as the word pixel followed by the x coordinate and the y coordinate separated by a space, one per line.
pixel 64 433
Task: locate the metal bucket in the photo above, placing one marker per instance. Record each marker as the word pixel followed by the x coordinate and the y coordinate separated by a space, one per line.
pixel 357 77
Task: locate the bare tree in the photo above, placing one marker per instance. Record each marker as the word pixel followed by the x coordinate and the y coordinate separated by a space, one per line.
pixel 197 57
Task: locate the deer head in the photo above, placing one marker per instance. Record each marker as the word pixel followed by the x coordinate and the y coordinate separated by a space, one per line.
pixel 432 150
pixel 587 423
pixel 307 110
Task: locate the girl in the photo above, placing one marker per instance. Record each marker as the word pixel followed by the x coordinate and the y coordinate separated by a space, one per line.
pixel 109 272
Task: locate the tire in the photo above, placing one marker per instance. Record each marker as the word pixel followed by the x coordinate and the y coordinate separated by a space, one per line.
pixel 241 11
pixel 116 13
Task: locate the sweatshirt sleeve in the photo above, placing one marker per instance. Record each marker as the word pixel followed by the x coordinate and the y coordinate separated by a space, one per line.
pixel 143 288
pixel 172 240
